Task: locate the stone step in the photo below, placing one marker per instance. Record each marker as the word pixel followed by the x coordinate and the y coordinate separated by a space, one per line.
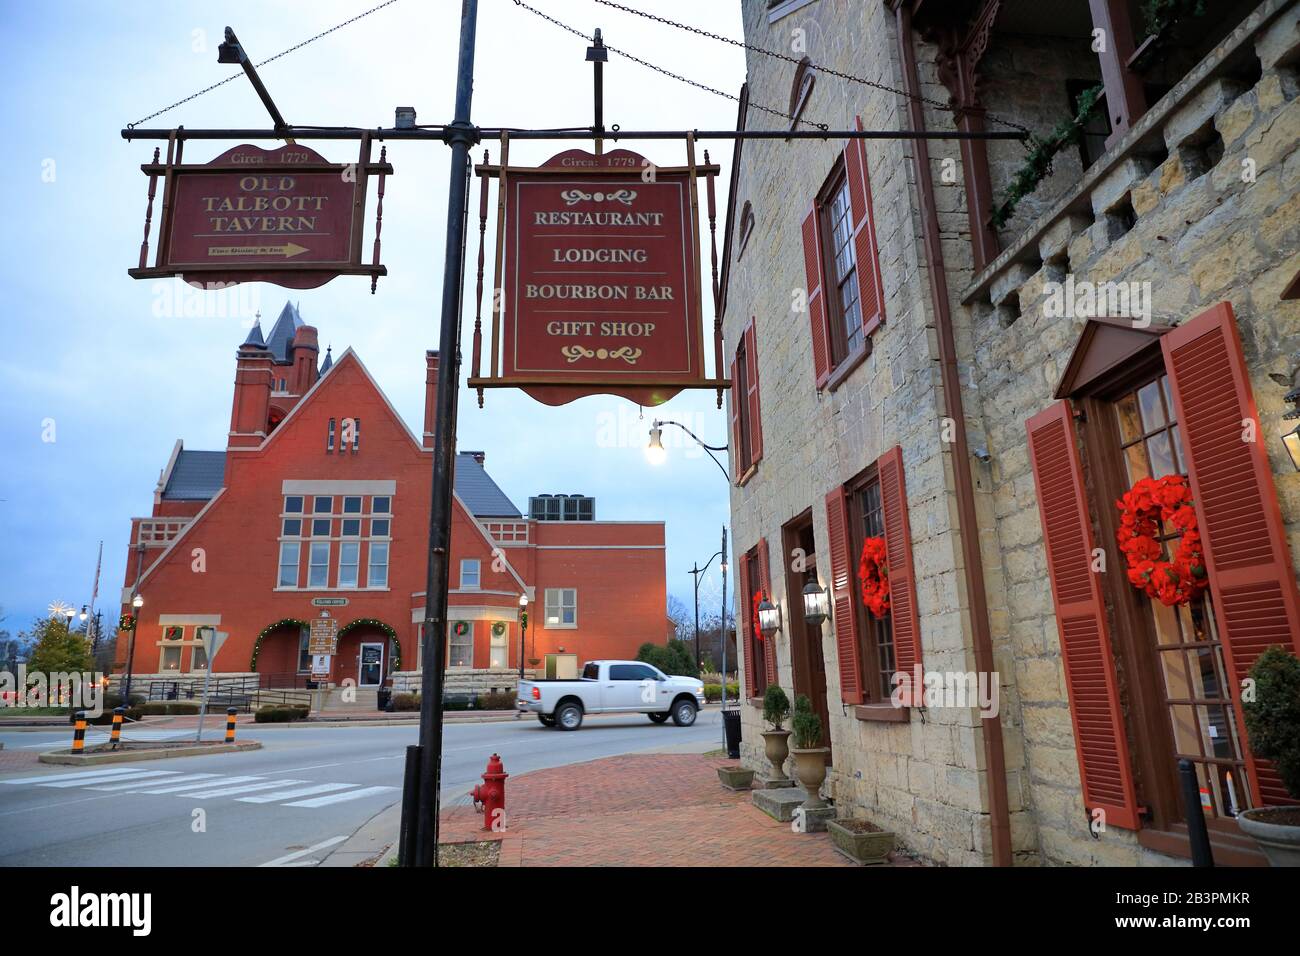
pixel 779 803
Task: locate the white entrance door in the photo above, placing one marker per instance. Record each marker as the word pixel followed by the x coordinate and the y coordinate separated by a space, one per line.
pixel 370 665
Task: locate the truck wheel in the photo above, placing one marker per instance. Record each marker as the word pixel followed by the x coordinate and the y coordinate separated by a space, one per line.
pixel 545 721
pixel 568 716
pixel 658 718
pixel 683 713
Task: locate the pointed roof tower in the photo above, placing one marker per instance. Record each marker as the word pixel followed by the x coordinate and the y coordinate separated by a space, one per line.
pixel 280 340
pixel 328 364
pixel 255 334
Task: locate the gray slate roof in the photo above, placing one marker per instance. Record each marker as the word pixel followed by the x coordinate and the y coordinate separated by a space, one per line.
pixel 280 340
pixel 197 476
pixel 479 492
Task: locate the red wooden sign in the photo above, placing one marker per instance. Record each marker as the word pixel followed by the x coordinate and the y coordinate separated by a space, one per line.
pixel 284 215
pixel 600 278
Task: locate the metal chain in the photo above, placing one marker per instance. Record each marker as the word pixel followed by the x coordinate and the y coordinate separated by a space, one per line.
pixel 233 76
pixel 659 69
pixel 790 59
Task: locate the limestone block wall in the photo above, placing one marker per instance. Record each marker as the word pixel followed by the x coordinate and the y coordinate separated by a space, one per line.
pixel 1201 232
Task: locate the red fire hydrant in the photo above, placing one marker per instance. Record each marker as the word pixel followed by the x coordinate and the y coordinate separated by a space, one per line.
pixel 490 795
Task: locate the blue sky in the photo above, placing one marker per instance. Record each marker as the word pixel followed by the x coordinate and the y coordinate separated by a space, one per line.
pixel 100 373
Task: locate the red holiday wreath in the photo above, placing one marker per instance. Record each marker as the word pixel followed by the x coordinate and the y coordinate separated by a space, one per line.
pixel 1148 503
pixel 873 575
pixel 758 599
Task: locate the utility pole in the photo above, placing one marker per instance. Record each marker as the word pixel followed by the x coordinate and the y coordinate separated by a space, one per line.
pixel 460 135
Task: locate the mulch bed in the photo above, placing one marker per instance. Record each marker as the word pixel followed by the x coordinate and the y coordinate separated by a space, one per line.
pixel 469 854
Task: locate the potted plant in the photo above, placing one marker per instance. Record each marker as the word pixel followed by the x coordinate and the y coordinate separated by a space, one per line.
pixel 776 742
pixel 1273 726
pixel 809 754
pixel 861 841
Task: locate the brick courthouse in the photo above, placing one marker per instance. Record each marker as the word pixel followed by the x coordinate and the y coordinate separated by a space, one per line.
pixel 320 502
pixel 934 393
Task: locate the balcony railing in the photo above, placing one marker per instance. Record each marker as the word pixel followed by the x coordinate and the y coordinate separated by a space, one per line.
pixel 159 532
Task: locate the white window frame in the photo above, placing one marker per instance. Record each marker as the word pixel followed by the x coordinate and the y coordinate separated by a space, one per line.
pixel 312 564
pixel 452 641
pixel 555 599
pixel 471 568
pixel 349 571
pixel 296 563
pixel 371 564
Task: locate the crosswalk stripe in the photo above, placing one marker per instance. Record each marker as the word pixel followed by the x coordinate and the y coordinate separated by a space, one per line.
pixel 199 786
pixel 119 772
pixel 138 775
pixel 224 791
pixel 339 797
pixel 300 792
pixel 139 782
pixel 288 858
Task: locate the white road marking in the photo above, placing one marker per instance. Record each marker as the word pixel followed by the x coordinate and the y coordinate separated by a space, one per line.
pixel 119 772
pixel 199 786
pixel 339 797
pixel 299 792
pixel 224 791
pixel 136 783
pixel 290 857
pixel 341 763
pixel 137 775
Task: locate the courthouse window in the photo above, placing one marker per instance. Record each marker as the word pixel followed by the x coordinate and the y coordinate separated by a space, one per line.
pixel 289 556
pixel 845 312
pixel 561 607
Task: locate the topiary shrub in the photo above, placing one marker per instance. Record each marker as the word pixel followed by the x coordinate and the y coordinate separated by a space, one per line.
pixel 776 706
pixel 1273 717
pixel 807 726
pixel 273 714
pixel 406 702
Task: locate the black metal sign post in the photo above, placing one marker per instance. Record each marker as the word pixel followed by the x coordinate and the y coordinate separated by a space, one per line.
pixel 420 803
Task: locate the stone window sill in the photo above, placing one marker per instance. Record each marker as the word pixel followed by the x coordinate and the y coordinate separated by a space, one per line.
pixel 846 367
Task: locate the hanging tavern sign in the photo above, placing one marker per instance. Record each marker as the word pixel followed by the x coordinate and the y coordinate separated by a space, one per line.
pixel 598 265
pixel 282 215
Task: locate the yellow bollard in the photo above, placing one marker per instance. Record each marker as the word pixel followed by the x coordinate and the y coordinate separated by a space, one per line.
pixel 230 724
pixel 117 726
pixel 79 733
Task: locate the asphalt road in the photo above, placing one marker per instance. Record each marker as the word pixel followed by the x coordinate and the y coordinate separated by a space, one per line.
pixel 289 804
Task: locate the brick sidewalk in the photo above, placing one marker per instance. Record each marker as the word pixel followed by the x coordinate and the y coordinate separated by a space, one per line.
pixel 638 810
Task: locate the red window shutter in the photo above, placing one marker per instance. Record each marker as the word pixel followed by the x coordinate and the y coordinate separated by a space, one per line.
pixel 843 578
pixel 904 616
pixel 871 291
pixel 751 385
pixel 1099 736
pixel 1251 577
pixel 765 579
pixel 744 629
pixel 812 264
pixel 737 462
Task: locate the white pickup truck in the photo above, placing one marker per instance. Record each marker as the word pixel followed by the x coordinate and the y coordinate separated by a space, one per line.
pixel 608 687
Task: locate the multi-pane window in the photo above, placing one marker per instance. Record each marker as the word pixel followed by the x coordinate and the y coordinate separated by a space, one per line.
pixel 352 505
pixel 329 441
pixel 322 504
pixel 318 568
pixel 470 574
pixel 170 658
pixel 561 607
pixel 349 561
pixel 380 504
pixel 290 553
pixel 753 585
pixel 877 651
pixel 320 527
pixel 740 401
pixel 1189 649
pixel 377 570
pixel 379 528
pixel 842 275
pixel 292 527
pixel 460 644
pixel 304 655
pixel 293 505
pixel 351 527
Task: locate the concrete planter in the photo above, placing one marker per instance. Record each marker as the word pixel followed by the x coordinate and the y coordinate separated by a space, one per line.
pixel 861 846
pixel 810 768
pixel 736 778
pixel 776 745
pixel 1279 841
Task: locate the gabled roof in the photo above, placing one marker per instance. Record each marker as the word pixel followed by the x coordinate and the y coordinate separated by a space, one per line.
pixel 481 495
pixel 280 341
pixel 196 476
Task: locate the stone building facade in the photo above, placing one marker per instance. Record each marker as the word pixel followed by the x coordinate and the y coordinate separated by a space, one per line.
pixel 916 369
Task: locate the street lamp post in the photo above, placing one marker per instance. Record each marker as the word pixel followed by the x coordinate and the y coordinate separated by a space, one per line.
pixel 697 571
pixel 137 602
pixel 523 631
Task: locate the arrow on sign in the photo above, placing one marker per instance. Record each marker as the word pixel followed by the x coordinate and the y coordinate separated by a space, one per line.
pixel 288 250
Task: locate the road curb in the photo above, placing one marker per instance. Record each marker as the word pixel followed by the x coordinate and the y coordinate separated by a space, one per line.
pixel 374 838
pixel 127 756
